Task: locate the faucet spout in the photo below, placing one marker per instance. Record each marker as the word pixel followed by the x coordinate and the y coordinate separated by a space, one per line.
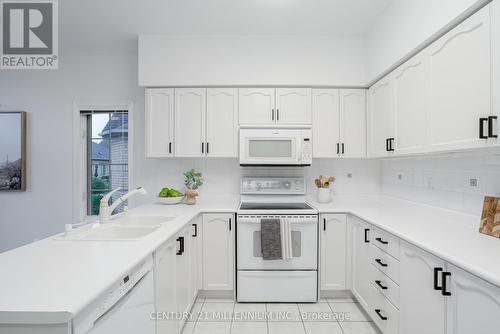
pixel 106 210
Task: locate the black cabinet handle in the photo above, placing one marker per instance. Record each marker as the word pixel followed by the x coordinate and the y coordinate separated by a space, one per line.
pixel 391 142
pixel 230 224
pixel 382 241
pixel 208 147
pixel 437 270
pixel 379 283
pixel 444 292
pixel 202 147
pixel 338 148
pixel 379 261
pixel 343 150
pixel 387 145
pixel 277 114
pixel 169 147
pixel 380 315
pixel 195 230
pixel 491 120
pixel 272 114
pixel 366 235
pixel 324 224
pixel 481 128
pixel 181 245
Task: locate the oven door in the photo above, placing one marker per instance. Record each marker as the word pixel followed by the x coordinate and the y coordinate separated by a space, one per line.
pixel 270 147
pixel 304 241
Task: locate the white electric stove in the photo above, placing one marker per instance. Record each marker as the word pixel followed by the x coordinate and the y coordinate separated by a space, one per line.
pixel 292 280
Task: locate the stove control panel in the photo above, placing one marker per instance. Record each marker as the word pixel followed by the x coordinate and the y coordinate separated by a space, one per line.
pixel 273 185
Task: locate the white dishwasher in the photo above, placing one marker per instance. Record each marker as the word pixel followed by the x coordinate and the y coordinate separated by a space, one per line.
pixel 126 308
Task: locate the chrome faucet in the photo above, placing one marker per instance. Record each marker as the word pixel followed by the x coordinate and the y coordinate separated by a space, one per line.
pixel 106 210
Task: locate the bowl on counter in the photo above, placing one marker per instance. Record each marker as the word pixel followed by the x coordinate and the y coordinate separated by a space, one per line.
pixel 169 200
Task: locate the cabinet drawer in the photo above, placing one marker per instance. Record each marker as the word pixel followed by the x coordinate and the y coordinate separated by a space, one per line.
pixel 385 263
pixel 385 285
pixel 383 313
pixel 386 242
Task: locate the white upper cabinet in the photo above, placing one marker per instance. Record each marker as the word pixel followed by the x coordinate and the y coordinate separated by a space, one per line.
pixel 257 106
pixel 222 122
pixel 190 106
pixel 293 106
pixel 460 84
pixel 352 123
pixel 493 125
pixel 411 105
pixel 269 106
pixel 473 305
pixel 159 122
pixel 381 117
pixel 326 127
pixel 419 298
pixel 333 252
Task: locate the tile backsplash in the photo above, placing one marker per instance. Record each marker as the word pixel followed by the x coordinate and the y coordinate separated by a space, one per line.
pixel 457 182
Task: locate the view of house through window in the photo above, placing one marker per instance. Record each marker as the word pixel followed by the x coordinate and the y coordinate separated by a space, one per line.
pixel 107 156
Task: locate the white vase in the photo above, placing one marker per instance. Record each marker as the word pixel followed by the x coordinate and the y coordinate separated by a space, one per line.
pixel 324 195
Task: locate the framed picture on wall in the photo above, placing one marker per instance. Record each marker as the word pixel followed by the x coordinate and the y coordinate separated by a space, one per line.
pixel 12 151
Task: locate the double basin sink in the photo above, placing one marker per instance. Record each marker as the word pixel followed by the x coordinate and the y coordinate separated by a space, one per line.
pixel 122 228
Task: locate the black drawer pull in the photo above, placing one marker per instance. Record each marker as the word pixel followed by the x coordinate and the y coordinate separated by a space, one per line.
pixel 343 149
pixel 169 147
pixel 490 126
pixel 338 148
pixel 481 128
pixel 181 245
pixel 379 261
pixel 382 241
pixel 195 230
pixel 387 145
pixel 366 235
pixel 444 292
pixel 230 227
pixel 208 147
pixel 437 270
pixel 324 224
pixel 380 315
pixel 379 283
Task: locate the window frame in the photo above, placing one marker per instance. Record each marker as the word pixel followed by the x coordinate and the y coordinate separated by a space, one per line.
pixel 80 153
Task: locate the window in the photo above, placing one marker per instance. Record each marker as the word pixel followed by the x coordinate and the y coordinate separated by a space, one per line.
pixel 105 141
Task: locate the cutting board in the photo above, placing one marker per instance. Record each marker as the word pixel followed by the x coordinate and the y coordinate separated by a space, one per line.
pixel 490 219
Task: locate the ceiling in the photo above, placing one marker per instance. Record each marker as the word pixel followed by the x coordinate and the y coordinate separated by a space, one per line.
pixel 104 24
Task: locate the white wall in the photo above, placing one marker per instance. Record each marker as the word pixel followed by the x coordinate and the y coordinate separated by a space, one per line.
pixel 444 181
pixel 404 25
pixel 166 60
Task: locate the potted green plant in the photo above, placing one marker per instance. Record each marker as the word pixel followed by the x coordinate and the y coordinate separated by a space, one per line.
pixel 192 180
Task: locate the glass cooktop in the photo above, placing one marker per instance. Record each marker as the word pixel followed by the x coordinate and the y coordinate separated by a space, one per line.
pixel 275 206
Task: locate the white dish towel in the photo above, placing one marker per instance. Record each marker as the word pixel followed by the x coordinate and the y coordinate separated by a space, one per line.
pixel 286 239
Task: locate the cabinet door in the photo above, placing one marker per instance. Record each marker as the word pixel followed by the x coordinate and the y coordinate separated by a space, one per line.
pixel 190 109
pixel 293 106
pixel 195 260
pixel 380 116
pixel 256 106
pixel 495 52
pixel 218 251
pixel 474 304
pixel 222 122
pixel 165 285
pixel 417 297
pixel 183 274
pixel 333 252
pixel 326 115
pixel 411 106
pixel 361 261
pixel 159 122
pixel 459 84
pixel 353 123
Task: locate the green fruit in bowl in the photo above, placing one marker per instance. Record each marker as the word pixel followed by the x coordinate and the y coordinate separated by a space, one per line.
pixel 167 192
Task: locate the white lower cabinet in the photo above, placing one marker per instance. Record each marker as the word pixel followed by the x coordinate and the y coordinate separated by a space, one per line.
pixel 361 287
pixel 473 306
pixel 333 241
pixel 421 303
pixel 218 251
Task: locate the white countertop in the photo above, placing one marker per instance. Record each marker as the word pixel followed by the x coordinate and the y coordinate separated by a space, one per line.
pixel 52 281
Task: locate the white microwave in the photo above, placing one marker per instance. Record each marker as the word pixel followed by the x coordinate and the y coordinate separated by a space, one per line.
pixel 275 147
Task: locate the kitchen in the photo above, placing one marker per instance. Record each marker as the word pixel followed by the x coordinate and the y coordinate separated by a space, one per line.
pixel 395 104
